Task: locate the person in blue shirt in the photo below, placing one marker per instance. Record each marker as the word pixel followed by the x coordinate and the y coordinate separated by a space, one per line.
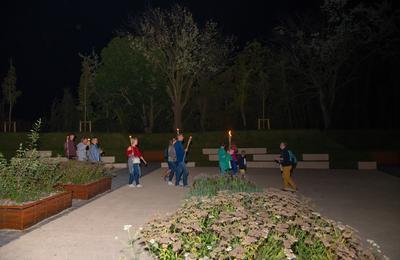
pixel 94 151
pixel 181 170
pixel 82 149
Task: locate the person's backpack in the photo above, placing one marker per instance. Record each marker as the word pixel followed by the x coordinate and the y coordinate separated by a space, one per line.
pixel 292 158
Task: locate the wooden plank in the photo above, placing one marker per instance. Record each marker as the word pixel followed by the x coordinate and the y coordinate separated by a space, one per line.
pixel 367 165
pixel 315 157
pixel 265 157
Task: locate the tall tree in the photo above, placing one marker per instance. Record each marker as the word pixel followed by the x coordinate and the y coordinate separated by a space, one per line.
pixel 244 74
pixel 128 87
pixel 181 50
pixel 86 84
pixel 10 92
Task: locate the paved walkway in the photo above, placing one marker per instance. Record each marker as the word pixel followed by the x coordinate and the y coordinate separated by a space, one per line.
pixel 366 200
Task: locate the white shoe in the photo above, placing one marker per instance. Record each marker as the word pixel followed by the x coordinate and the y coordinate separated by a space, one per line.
pixel 170 183
pixel 139 186
pixel 131 185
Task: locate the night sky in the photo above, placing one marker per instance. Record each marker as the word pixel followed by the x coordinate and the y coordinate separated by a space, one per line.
pixel 44 37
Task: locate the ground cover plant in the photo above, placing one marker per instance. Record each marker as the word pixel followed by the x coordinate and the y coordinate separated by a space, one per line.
pixel 261 225
pixel 211 186
pixel 25 177
pixel 75 172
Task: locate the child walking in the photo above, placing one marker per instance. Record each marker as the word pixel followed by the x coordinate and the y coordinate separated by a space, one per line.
pixel 242 164
pixel 134 156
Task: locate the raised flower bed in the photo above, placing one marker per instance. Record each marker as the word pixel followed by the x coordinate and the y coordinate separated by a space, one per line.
pixel 84 179
pixel 23 216
pixel 87 191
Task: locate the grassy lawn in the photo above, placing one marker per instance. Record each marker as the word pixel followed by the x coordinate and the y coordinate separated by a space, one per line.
pixel 344 147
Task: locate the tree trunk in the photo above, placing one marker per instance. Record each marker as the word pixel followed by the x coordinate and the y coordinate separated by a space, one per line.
pixel 151 115
pixel 325 109
pixel 203 104
pixel 243 114
pixel 177 110
pixel 9 117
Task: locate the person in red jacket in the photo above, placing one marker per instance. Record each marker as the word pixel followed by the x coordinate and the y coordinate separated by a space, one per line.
pixel 134 157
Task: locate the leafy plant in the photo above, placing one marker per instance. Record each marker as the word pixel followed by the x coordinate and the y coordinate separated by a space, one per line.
pixel 259 225
pixel 211 186
pixel 75 172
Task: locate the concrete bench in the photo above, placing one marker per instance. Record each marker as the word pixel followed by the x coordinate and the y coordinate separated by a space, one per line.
pixel 55 159
pixel 188 164
pixel 42 154
pixel 300 165
pixel 116 165
pixel 208 151
pixel 366 165
pixel 259 164
pixel 108 159
pixel 321 165
pixel 265 157
pixel 316 157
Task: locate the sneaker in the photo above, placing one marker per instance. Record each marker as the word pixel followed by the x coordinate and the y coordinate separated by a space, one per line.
pixel 131 185
pixel 139 186
pixel 181 183
pixel 170 183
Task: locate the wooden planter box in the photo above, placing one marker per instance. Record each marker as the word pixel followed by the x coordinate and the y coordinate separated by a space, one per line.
pixel 24 216
pixel 87 191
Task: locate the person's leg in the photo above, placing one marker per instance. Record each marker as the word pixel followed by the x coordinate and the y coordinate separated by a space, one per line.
pixel 185 175
pixel 136 173
pixel 172 168
pixel 178 174
pixel 235 168
pixel 288 182
pixel 130 168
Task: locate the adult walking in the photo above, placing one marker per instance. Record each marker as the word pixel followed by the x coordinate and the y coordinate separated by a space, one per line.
pixel 171 159
pixel 82 149
pixel 134 157
pixel 94 153
pixel 286 166
pixel 181 171
pixel 69 147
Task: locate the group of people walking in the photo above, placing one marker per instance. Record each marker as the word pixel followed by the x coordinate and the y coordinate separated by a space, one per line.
pixel 231 162
pixel 86 150
pixel 175 155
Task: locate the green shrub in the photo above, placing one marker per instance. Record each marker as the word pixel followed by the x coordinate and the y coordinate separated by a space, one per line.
pixel 262 225
pixel 211 186
pixel 27 179
pixel 76 172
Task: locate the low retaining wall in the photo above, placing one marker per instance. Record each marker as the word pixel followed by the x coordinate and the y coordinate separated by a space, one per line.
pixel 24 216
pixel 87 191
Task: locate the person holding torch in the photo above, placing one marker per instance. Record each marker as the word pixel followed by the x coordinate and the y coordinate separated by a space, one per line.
pixel 181 170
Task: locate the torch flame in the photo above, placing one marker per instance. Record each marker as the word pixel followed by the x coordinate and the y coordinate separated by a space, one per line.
pixel 230 133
